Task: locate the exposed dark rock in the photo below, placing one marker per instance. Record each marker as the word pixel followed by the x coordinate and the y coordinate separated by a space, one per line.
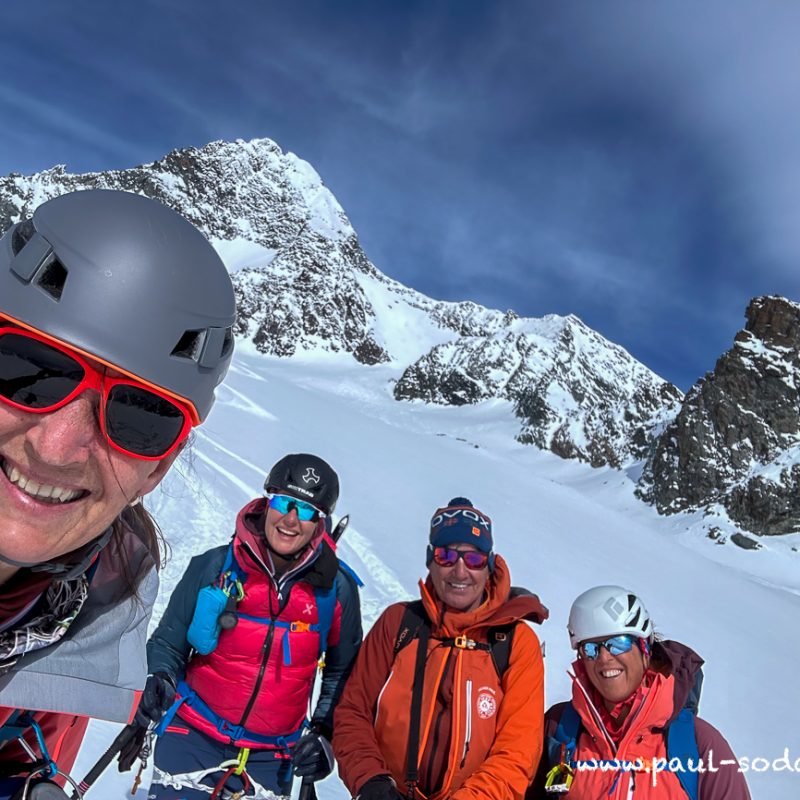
pixel 745 542
pixel 576 393
pixel 734 421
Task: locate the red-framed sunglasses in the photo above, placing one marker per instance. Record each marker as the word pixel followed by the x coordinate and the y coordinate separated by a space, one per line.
pixel 448 557
pixel 40 375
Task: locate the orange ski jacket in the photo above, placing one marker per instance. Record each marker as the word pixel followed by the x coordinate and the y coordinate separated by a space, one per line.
pixel 480 736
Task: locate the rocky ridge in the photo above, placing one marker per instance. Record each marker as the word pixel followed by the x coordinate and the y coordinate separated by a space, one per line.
pixel 311 288
pixel 736 439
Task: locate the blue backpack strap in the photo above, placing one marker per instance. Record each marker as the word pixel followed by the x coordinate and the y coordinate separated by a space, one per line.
pixel 682 744
pixel 14 726
pixel 561 746
pixel 326 605
pixel 348 570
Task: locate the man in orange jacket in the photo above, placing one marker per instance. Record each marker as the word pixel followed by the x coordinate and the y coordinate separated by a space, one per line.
pixel 475 725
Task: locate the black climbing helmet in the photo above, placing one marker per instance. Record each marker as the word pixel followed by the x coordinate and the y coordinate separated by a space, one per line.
pixel 305 477
pixel 127 280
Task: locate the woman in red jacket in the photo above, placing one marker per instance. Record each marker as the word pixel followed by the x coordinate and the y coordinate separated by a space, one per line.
pixel 630 731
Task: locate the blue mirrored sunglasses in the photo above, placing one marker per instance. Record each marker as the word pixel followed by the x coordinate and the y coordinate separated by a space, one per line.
pixel 616 646
pixel 284 504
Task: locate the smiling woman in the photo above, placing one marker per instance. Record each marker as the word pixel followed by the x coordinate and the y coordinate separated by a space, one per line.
pixel 115 329
pixel 634 704
pixel 285 605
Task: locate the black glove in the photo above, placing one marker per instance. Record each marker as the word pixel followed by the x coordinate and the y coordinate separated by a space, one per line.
pixel 312 757
pixel 381 787
pixel 132 746
pixel 158 696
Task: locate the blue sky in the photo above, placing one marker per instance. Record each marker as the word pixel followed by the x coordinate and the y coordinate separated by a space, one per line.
pixel 636 164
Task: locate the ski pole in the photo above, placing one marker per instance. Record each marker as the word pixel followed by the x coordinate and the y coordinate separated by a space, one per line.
pixel 307 789
pixel 125 736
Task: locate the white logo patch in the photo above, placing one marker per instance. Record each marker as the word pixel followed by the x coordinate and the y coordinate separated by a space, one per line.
pixel 311 476
pixel 309 609
pixel 486 705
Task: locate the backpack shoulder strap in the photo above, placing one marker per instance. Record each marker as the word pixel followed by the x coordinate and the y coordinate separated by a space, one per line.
pixel 500 647
pixel 682 744
pixel 349 571
pixel 415 716
pixel 326 605
pixel 561 746
pixel 14 726
pixel 413 619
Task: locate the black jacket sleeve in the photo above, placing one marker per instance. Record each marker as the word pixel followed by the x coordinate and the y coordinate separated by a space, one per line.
pixel 340 657
pixel 168 650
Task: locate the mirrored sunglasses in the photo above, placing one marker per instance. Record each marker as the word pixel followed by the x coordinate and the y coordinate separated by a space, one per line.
pixel 448 557
pixel 616 646
pixel 39 375
pixel 284 504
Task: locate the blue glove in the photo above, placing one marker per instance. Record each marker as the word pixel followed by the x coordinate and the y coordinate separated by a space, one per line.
pixel 158 696
pixel 312 757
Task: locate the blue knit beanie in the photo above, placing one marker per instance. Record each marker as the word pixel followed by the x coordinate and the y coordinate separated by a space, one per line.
pixel 459 522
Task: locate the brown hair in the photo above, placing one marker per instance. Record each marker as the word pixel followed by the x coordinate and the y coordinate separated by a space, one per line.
pixel 142 523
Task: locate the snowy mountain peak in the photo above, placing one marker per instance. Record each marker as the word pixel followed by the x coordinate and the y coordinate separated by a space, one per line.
pixel 305 286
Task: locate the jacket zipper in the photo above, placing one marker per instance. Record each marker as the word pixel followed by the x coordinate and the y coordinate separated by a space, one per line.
pixel 380 696
pixel 468 724
pixel 264 658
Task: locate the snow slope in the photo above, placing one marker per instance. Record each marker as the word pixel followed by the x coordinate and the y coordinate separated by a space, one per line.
pixel 562 525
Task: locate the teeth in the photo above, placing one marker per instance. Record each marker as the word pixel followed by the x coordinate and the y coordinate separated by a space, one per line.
pixel 41 491
pixel 611 673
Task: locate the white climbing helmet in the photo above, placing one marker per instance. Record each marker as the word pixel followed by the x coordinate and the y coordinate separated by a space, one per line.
pixel 607 611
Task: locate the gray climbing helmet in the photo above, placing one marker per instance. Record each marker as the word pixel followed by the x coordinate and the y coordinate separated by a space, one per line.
pixel 128 280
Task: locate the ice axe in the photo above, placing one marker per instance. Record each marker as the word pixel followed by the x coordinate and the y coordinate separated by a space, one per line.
pixel 125 737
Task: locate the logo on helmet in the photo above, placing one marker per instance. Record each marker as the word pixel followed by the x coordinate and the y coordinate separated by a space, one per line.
pixel 311 476
pixel 613 608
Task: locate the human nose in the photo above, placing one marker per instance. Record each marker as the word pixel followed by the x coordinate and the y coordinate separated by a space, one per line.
pixel 65 436
pixel 460 568
pixel 291 518
pixel 604 654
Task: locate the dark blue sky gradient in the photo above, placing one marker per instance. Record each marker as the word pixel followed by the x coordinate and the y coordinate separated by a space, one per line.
pixel 636 164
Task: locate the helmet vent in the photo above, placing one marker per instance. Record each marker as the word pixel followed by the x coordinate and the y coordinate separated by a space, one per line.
pixel 189 345
pixel 52 278
pixel 227 344
pixel 22 234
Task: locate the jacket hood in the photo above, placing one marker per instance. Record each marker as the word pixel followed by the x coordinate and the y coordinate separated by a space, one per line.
pixel 318 565
pixel 501 606
pixel 680 661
